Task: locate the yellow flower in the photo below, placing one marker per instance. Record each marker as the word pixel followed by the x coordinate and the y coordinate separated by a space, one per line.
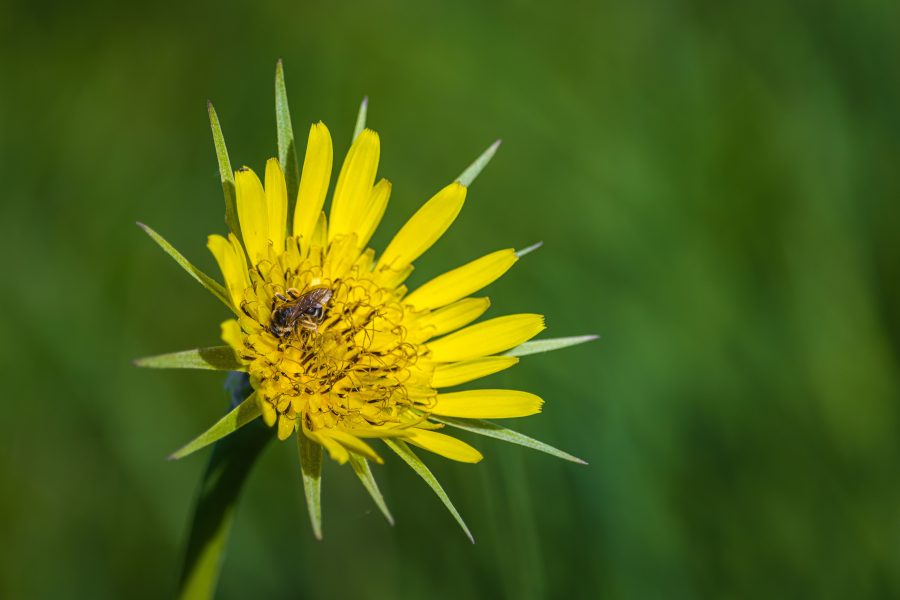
pixel 338 351
pixel 375 363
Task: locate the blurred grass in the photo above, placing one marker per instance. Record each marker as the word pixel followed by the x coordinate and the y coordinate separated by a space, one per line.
pixel 716 185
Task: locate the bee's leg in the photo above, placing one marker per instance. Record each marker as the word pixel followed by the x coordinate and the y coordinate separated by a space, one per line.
pixel 293 293
pixel 281 297
pixel 308 325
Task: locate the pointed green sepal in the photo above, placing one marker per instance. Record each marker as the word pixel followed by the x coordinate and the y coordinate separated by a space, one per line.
pixel 529 249
pixel 361 117
pixel 245 412
pixel 213 286
pixel 287 150
pixel 538 346
pixel 216 358
pixel 364 472
pixel 469 175
pixel 311 470
pixel 493 430
pixel 419 467
pixel 226 174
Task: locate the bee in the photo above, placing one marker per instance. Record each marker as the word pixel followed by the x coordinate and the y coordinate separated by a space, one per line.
pixel 299 310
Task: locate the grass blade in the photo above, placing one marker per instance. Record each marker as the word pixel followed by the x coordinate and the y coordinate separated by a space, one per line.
pixel 216 358
pixel 469 175
pixel 213 286
pixel 243 413
pixel 364 472
pixel 493 430
pixel 538 346
pixel 226 174
pixel 419 467
pixel 311 470
pixel 287 149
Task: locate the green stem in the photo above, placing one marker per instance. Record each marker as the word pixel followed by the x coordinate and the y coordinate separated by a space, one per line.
pixel 230 463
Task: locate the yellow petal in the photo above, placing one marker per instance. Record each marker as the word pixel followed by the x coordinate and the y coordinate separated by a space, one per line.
pixel 252 213
pixel 380 431
pixel 276 199
pixel 450 374
pixel 450 318
pixel 232 264
pixel 342 255
pixel 444 445
pixel 354 184
pixel 240 255
pixel 268 411
pixel 489 337
pixel 286 427
pixel 313 181
pixel 319 234
pixel 365 261
pixel 462 281
pixel 231 335
pixel 487 404
pixel 424 228
pixel 337 451
pixel 352 443
pixel 374 212
pixel 391 278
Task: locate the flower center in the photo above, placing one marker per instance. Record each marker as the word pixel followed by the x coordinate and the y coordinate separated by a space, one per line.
pixel 327 345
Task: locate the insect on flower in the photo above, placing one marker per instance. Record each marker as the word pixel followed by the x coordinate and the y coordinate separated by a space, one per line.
pixel 305 310
pixel 338 351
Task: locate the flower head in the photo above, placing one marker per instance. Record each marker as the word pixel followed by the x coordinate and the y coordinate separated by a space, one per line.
pixel 335 346
pixel 338 351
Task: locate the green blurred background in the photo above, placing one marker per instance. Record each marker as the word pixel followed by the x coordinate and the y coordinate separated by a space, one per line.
pixel 716 185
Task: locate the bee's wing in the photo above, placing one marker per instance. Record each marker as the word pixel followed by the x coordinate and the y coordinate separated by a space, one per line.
pixel 319 296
